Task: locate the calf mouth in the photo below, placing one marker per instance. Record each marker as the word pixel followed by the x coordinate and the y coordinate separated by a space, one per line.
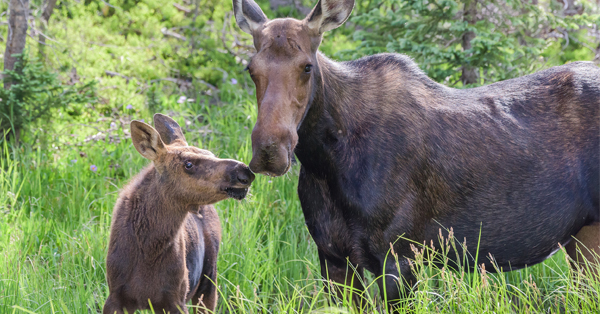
pixel 237 193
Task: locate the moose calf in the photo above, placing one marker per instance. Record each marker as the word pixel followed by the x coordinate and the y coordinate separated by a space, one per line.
pixel 165 234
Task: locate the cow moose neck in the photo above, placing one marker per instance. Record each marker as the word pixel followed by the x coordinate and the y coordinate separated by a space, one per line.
pixel 349 101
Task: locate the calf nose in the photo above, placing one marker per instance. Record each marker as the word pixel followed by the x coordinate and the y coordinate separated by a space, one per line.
pixel 245 176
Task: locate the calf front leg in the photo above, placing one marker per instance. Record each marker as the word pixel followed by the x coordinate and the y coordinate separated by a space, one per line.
pixel 351 277
pixel 115 305
pixel 112 306
pixel 206 296
pixel 175 309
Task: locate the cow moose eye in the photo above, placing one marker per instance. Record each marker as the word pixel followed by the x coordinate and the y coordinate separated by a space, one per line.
pixel 307 68
pixel 188 165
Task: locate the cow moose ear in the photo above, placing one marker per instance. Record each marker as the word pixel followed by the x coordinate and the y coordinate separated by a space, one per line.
pixel 327 15
pixel 169 130
pixel 248 15
pixel 146 140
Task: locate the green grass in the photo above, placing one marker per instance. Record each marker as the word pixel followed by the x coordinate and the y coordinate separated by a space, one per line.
pixel 55 216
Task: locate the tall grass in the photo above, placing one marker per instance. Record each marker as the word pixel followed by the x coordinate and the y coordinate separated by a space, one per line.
pixel 55 216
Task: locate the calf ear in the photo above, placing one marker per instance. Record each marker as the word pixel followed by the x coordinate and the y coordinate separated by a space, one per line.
pixel 146 140
pixel 327 15
pixel 248 15
pixel 169 130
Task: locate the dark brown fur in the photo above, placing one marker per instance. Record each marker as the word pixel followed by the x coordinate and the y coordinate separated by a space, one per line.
pixel 165 235
pixel 386 151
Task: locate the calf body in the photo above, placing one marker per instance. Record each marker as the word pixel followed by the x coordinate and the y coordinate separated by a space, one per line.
pixel 386 152
pixel 165 235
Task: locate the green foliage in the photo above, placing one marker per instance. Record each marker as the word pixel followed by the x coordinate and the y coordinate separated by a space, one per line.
pixel 510 36
pixel 35 91
pixel 153 98
pixel 129 49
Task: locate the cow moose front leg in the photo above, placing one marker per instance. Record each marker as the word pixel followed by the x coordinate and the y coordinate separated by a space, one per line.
pixel 350 276
pixel 584 249
pixel 396 281
pixel 326 226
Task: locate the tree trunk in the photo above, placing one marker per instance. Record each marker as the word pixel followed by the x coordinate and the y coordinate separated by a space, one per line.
pixel 469 73
pixel 570 8
pixel 17 33
pixel 48 8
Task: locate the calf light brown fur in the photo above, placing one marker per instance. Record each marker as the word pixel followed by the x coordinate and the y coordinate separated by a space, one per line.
pixel 165 234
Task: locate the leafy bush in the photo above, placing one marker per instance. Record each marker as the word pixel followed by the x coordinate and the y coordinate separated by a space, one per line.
pixel 34 92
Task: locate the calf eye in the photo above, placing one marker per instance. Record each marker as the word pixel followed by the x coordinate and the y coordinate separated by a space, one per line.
pixel 188 165
pixel 307 68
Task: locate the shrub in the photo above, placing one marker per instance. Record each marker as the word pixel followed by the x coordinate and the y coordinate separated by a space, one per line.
pixel 35 92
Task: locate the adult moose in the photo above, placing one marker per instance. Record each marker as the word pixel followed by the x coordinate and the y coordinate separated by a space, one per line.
pixel 385 151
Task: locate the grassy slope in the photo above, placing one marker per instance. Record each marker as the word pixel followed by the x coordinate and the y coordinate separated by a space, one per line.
pixel 55 212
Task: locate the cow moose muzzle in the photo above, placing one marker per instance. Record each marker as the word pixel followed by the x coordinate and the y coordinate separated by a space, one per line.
pixel 272 150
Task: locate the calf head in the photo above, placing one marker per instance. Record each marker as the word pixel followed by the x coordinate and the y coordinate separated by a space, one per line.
pixel 284 71
pixel 188 174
